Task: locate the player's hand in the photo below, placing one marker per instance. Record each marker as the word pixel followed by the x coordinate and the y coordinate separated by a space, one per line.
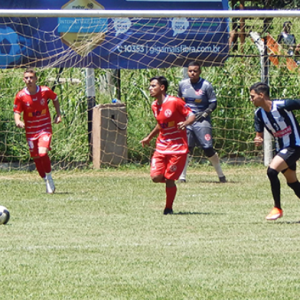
pixel 20 124
pixel 57 119
pixel 145 141
pixel 181 126
pixel 202 115
pixel 258 141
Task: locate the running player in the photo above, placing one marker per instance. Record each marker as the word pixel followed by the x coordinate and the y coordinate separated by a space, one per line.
pixel 277 117
pixel 32 102
pixel 199 95
pixel 173 116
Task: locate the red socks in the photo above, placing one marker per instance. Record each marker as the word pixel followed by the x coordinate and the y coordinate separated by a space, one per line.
pixel 39 167
pixel 46 162
pixel 170 196
pixel 43 164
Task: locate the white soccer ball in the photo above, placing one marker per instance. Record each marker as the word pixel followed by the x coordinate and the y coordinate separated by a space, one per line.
pixel 4 215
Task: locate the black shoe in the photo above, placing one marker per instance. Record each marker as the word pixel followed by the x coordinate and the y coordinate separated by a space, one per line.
pixel 222 179
pixel 168 211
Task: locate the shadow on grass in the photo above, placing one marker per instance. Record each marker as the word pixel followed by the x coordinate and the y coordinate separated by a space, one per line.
pixel 195 213
pixel 287 222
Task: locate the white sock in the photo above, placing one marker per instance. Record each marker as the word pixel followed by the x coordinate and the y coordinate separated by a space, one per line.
pixel 183 174
pixel 216 163
pixel 48 175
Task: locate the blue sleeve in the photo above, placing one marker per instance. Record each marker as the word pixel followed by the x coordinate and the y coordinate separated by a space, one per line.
pixel 290 104
pixel 258 123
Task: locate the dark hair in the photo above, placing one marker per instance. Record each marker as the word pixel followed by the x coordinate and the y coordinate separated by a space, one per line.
pixel 162 81
pixel 194 64
pixel 260 87
pixel 30 70
pixel 287 23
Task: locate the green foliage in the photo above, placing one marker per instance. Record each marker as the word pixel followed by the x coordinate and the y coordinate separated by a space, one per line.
pixel 232 120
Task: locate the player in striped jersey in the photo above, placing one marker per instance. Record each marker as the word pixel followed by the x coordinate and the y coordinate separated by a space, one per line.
pixel 278 119
pixel 32 102
pixel 173 116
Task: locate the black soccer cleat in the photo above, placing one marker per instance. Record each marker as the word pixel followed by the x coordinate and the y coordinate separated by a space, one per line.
pixel 168 211
pixel 223 179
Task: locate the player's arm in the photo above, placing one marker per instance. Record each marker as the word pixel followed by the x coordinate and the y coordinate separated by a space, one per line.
pixel 58 113
pixel 189 120
pixel 259 139
pixel 18 122
pixel 152 134
pixel 201 116
pixel 292 104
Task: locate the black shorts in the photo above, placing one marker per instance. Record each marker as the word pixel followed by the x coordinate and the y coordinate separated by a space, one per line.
pixel 200 134
pixel 290 156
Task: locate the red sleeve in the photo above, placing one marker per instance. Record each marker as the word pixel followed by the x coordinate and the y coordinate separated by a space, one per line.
pixel 183 108
pixel 18 104
pixel 50 94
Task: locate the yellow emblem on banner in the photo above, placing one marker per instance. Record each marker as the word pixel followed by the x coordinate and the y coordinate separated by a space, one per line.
pixel 82 34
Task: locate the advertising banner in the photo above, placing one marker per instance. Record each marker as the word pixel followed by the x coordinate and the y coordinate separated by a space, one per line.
pixel 114 43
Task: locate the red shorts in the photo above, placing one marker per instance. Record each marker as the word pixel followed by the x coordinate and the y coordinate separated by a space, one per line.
pixel 42 141
pixel 171 166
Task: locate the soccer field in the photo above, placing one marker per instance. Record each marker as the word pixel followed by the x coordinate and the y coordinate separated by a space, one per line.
pixel 103 235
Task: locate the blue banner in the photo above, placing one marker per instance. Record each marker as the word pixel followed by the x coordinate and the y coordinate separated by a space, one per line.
pixel 114 43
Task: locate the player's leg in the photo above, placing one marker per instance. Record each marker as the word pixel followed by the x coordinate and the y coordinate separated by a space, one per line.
pixel 43 147
pixel 34 154
pixel 158 167
pixel 277 165
pixel 174 168
pixel 290 175
pixel 191 145
pixel 203 133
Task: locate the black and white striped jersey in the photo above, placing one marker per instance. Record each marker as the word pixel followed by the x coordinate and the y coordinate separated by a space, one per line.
pixel 280 122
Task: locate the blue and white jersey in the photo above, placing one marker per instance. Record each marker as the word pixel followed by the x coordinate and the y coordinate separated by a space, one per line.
pixel 280 122
pixel 198 95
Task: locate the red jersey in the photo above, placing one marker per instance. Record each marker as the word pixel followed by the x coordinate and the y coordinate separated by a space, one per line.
pixel 35 110
pixel 171 140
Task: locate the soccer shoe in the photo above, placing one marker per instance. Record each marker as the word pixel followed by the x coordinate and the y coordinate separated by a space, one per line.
pixel 168 211
pixel 50 187
pixel 274 214
pixel 181 181
pixel 223 179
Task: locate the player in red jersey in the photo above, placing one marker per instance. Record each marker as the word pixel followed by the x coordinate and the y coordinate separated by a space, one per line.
pixel 32 102
pixel 173 116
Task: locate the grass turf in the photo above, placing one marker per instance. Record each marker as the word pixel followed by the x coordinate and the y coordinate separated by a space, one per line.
pixel 103 235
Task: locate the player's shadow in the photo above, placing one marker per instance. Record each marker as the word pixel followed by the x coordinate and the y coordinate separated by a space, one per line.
pixel 287 222
pixel 62 193
pixel 215 181
pixel 195 213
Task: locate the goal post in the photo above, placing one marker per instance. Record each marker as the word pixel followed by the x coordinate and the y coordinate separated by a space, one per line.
pixel 82 84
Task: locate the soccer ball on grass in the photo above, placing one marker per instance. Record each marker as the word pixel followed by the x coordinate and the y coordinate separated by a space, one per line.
pixel 4 215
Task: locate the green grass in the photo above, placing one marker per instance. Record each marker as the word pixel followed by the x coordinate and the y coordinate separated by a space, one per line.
pixel 103 236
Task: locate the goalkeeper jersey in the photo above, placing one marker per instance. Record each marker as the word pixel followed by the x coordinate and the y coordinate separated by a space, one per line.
pixel 171 140
pixel 198 95
pixel 280 122
pixel 35 110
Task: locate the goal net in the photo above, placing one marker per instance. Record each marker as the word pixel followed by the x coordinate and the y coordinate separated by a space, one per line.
pixel 75 59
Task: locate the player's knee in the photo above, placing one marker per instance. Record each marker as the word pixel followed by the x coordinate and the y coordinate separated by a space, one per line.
pixel 158 178
pixel 272 174
pixel 209 152
pixel 43 154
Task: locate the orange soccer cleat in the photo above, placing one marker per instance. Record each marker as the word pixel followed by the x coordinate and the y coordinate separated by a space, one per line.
pixel 274 214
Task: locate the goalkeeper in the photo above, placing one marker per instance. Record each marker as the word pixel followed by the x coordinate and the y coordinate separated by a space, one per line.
pixel 199 95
